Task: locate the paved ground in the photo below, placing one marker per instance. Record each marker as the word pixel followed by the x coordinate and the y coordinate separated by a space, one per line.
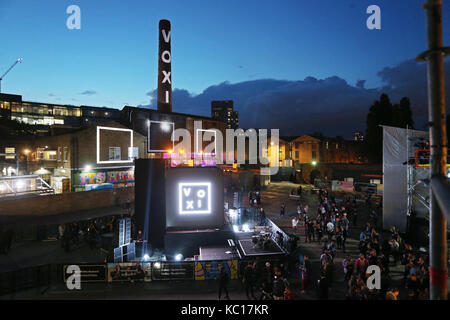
pixel 34 253
pixel 157 290
pixel 279 193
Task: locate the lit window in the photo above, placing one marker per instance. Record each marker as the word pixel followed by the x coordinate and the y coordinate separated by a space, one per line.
pixel 114 153
pixel 10 150
pixel 65 154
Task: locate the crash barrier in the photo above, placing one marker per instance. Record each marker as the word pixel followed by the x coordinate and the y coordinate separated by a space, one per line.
pixel 279 236
pixel 44 276
pixel 349 186
pixel 37 277
pixel 322 184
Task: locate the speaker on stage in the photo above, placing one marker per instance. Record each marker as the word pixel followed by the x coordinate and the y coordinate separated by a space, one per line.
pixel 150 199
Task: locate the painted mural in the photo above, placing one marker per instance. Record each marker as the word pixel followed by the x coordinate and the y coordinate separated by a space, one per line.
pixel 210 270
pixel 106 177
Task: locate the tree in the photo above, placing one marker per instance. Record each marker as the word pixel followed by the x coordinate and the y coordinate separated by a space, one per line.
pixel 404 114
pixel 380 113
pixel 383 112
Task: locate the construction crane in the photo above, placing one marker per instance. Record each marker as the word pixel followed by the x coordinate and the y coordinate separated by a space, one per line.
pixel 13 65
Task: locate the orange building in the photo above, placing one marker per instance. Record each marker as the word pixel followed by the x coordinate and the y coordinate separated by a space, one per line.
pixel 316 149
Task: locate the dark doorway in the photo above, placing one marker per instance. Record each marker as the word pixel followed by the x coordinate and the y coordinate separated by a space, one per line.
pixel 314 175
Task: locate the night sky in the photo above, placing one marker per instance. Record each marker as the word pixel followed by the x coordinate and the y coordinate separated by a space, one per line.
pixel 300 66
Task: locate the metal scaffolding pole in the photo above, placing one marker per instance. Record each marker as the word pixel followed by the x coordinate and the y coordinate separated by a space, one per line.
pixel 436 115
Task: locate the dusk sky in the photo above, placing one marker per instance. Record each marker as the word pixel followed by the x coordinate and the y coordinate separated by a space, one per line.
pixel 280 61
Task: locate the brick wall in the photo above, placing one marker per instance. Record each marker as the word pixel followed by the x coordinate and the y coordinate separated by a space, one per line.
pixel 66 202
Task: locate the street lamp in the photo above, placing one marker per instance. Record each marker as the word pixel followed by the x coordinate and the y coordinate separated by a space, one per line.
pixel 314 162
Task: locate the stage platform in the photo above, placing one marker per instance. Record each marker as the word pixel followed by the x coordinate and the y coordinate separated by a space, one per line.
pixel 248 249
pixel 217 253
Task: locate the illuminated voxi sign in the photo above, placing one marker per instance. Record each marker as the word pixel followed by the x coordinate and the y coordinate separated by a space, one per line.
pixel 194 197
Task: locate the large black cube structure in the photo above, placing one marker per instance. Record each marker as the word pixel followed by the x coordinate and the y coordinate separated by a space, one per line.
pixel 194 198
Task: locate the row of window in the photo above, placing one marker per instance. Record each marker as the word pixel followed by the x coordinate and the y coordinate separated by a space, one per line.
pixel 43 109
pixel 50 110
pixel 30 119
pixel 313 155
pixel 314 145
pixel 61 154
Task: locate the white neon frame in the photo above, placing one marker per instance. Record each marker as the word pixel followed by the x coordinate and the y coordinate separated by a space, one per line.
pixel 180 198
pixel 196 139
pixel 148 135
pixel 98 144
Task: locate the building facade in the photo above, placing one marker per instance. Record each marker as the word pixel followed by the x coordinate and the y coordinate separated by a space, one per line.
pixel 98 156
pixel 224 111
pixel 44 116
pixel 144 120
pixel 310 149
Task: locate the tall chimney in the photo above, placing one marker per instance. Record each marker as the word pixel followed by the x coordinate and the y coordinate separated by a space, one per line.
pixel 164 68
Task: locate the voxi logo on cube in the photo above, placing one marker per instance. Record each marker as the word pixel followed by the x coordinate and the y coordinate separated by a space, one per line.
pixel 194 197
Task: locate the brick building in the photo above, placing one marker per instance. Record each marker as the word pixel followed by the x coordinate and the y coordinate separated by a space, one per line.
pixel 92 157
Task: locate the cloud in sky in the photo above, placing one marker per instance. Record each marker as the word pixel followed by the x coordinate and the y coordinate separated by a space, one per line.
pixel 88 92
pixel 330 105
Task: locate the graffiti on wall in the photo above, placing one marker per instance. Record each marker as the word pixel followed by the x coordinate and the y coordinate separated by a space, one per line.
pixel 210 270
pixel 106 177
pixel 342 186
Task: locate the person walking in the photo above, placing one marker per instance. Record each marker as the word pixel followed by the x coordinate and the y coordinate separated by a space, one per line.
pixel 306 273
pixel 294 225
pixel 283 209
pixel 323 286
pixel 279 287
pixel 262 216
pixel 347 263
pixel 248 281
pixel 223 283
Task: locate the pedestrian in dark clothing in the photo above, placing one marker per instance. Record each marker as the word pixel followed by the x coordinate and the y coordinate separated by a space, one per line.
pixel 223 283
pixel 262 216
pixel 323 286
pixel 248 281
pixel 282 210
pixel 355 216
pixel 306 273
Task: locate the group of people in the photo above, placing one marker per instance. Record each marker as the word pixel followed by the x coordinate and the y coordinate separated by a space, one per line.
pixel 332 223
pixel 89 231
pixel 266 281
pixel 416 275
pixel 254 198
